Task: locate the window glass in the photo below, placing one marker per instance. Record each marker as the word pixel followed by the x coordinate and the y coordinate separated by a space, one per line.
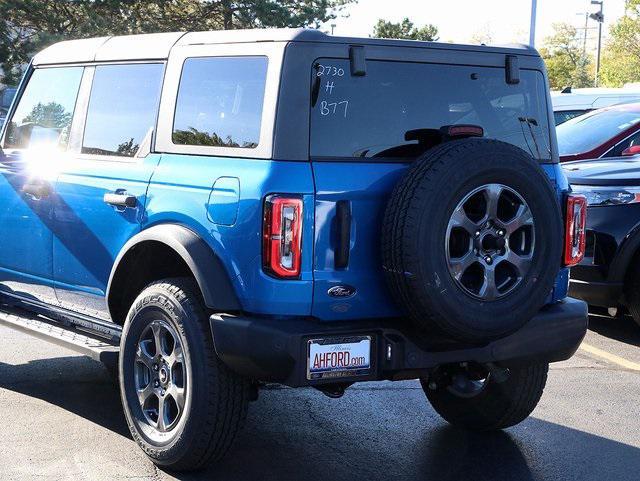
pixel 585 133
pixel 45 110
pixel 220 102
pixel 397 108
pixel 7 97
pixel 122 108
pixel 616 151
pixel 562 116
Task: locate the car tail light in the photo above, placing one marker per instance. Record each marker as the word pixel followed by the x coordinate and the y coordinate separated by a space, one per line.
pixel 575 229
pixel 282 236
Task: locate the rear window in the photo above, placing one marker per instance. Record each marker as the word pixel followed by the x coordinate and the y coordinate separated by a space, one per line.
pixel 593 129
pixel 392 111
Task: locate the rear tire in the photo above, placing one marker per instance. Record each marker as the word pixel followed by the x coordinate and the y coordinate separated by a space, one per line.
pixel 497 405
pixel 204 404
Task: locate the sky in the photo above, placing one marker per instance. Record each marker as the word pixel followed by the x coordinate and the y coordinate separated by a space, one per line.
pixel 507 21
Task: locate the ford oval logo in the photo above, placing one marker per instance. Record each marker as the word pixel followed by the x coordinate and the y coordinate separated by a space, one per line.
pixel 342 291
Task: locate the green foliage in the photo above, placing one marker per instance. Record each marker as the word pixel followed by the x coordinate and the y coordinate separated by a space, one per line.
pixel 27 26
pixel 621 55
pixel 567 64
pixel 51 115
pixel 128 148
pixel 194 136
pixel 405 30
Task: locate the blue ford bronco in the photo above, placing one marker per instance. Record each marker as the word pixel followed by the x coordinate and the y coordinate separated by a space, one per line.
pixel 220 210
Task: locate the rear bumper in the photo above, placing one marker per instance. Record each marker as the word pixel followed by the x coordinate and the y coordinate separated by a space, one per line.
pixel 601 294
pixel 276 350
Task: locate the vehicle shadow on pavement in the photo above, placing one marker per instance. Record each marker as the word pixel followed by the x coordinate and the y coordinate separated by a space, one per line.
pixel 75 383
pixel 392 433
pixel 375 432
pixel 620 329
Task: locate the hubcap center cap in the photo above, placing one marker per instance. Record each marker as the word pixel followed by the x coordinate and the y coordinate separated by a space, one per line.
pixel 491 242
pixel 164 375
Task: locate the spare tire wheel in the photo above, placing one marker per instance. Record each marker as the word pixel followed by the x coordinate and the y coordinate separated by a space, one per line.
pixel 472 240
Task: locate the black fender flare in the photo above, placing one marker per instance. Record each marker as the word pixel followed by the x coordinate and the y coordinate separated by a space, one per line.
pixel 207 268
pixel 623 258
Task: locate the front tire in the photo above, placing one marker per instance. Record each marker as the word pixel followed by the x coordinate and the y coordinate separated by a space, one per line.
pixel 485 404
pixel 183 406
pixel 633 296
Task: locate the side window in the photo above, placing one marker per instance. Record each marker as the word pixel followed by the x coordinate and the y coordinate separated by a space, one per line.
pixel 45 109
pixel 220 102
pixel 122 108
pixel 624 145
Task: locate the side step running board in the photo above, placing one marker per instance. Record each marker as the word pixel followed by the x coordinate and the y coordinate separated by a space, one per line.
pixel 66 336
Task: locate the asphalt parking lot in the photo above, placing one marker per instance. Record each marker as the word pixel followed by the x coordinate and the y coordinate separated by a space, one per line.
pixel 62 420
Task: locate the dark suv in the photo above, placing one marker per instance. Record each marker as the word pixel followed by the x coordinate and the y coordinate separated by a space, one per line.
pixel 608 276
pixel 223 209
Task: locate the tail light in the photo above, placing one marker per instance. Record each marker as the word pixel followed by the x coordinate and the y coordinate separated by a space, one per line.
pixel 575 229
pixel 282 236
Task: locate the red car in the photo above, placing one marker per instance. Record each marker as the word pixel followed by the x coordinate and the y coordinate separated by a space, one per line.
pixel 610 132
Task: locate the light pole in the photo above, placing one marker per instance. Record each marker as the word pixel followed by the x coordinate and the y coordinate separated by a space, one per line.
pixel 598 17
pixel 532 27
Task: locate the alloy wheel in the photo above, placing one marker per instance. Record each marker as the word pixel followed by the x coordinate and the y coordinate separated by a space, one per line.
pixel 160 376
pixel 490 241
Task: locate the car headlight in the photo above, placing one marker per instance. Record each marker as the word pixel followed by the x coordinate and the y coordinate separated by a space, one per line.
pixel 607 195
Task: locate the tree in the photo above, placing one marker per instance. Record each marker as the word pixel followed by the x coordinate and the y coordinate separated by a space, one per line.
pixel 405 30
pixel 567 63
pixel 621 55
pixel 27 26
pixel 193 136
pixel 482 36
pixel 51 115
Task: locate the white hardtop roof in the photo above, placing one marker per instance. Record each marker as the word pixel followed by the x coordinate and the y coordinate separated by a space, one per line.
pixel 156 46
pixel 153 46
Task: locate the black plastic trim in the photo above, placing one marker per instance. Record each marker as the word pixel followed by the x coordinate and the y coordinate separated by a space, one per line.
pixel 602 294
pixel 343 224
pixel 512 66
pixel 275 349
pixel 357 61
pixel 207 268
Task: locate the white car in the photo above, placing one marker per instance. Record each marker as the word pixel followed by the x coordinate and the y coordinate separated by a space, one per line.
pixel 570 103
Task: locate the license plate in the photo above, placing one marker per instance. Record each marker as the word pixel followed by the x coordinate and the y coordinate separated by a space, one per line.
pixel 338 357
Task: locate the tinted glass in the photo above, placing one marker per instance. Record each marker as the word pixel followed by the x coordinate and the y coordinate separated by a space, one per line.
pixel 45 110
pixel 616 151
pixel 396 109
pixel 564 115
pixel 122 108
pixel 220 102
pixel 593 129
pixel 7 97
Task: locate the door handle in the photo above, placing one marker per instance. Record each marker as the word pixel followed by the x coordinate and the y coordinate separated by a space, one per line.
pixel 120 198
pixel 37 190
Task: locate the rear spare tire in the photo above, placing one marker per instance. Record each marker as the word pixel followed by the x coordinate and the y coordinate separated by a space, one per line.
pixel 472 240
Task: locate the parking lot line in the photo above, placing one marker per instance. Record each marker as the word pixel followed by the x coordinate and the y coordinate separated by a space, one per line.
pixel 610 357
